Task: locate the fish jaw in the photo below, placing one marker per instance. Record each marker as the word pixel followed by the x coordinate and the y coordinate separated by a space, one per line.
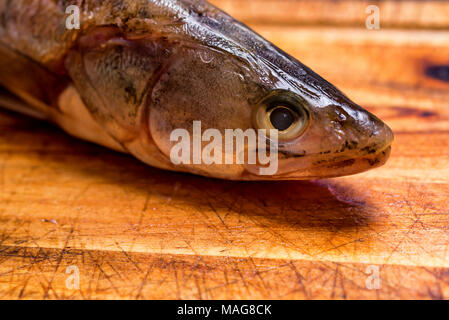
pixel 338 168
pixel 331 167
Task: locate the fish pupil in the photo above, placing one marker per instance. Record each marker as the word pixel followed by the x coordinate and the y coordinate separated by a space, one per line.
pixel 282 118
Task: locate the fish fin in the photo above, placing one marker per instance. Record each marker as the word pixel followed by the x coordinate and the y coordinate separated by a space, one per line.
pixel 11 102
pixel 76 119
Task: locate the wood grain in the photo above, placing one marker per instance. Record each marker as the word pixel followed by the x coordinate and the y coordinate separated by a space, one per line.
pixel 137 232
pixel 410 14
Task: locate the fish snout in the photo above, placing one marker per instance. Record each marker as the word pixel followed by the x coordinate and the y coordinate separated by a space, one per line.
pixel 374 135
pixel 366 144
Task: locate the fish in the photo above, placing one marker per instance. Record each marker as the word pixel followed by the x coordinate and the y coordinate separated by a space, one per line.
pixel 135 71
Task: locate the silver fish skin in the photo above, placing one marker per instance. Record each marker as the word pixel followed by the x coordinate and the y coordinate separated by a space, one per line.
pixel 137 70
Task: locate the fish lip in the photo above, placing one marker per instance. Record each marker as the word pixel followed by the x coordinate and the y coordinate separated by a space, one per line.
pixel 377 159
pixel 343 167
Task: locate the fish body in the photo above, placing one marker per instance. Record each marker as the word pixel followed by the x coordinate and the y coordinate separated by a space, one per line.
pixel 138 70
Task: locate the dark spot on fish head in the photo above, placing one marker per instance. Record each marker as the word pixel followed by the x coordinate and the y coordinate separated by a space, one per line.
pixel 373 162
pixel 290 155
pixel 349 145
pixel 369 149
pixel 341 164
pixel 438 72
pixel 131 94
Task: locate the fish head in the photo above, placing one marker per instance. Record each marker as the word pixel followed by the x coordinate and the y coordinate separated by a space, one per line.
pixel 321 137
pixel 233 79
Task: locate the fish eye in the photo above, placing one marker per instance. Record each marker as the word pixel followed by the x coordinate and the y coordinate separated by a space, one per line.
pixel 281 118
pixel 284 111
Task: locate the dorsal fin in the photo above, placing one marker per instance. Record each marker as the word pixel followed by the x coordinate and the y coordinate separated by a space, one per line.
pixel 13 103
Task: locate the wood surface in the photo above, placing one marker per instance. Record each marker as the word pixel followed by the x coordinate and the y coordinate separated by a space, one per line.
pixel 137 232
pixel 411 14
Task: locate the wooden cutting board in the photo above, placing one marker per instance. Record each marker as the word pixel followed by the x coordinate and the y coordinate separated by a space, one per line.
pixel 70 210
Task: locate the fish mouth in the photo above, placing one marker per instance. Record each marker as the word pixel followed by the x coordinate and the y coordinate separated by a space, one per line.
pixel 332 169
pixel 341 168
pixel 356 165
